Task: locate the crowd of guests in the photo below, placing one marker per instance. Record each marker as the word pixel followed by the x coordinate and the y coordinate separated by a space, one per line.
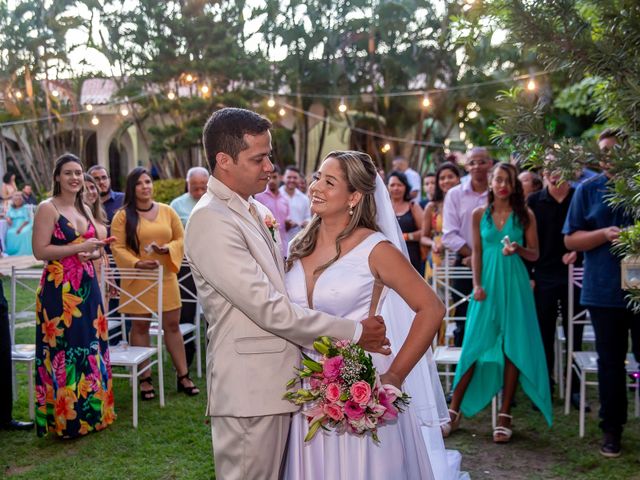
pixel 517 230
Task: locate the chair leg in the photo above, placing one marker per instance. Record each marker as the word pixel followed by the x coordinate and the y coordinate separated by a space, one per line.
pixel 32 408
pixel 560 361
pixel 494 412
pixel 583 392
pixel 567 386
pixel 134 389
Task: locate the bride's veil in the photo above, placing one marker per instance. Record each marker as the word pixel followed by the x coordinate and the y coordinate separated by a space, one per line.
pixel 423 383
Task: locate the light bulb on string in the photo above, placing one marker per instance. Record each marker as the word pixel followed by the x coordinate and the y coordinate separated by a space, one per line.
pixel 425 101
pixel 531 85
pixel 385 148
pixel 271 102
pixel 18 94
pixel 171 95
pixel 89 107
pixel 343 106
pixel 55 93
pixel 95 120
pixel 124 111
pixel 469 145
pixel 188 77
pixel 473 114
pixel 463 135
pixel 282 112
pixel 461 125
pixel 204 89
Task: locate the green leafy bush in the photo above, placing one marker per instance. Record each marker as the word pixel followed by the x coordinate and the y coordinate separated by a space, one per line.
pixel 166 190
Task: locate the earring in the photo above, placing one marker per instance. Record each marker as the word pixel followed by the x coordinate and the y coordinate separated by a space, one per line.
pixel 350 209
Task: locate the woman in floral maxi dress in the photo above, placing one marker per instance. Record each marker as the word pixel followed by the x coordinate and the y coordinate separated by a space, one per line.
pixel 73 372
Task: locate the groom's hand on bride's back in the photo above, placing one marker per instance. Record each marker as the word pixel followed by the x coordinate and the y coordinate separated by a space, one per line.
pixel 373 337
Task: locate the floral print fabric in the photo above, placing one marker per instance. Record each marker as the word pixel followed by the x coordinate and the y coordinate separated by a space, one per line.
pixel 73 372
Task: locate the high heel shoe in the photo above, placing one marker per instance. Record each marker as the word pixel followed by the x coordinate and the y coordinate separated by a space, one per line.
pixel 147 394
pixel 191 391
pixel 503 434
pixel 448 428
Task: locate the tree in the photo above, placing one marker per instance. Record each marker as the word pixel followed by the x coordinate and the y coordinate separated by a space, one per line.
pixel 595 42
pixel 39 111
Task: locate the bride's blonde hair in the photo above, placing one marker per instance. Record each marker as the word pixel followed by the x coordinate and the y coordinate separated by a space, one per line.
pixel 360 174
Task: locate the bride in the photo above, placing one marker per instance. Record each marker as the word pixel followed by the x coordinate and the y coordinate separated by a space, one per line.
pixel 337 264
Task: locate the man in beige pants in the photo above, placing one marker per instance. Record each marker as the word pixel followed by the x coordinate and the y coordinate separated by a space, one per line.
pixel 253 329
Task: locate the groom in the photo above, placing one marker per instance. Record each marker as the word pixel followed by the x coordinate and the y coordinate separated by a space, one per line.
pixel 253 329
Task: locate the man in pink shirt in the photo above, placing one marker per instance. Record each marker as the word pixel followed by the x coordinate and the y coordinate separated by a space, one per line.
pixel 278 204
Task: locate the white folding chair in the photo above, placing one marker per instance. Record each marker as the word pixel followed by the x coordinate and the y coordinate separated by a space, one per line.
pixel 132 357
pixel 28 280
pixel 447 355
pixel 585 363
pixel 187 328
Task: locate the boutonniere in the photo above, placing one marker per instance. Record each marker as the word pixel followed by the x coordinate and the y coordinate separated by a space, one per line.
pixel 271 225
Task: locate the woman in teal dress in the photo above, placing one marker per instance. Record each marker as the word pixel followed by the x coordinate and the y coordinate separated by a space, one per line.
pixel 73 372
pixel 502 342
pixel 18 241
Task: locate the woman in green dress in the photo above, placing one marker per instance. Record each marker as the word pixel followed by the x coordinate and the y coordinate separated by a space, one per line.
pixel 502 342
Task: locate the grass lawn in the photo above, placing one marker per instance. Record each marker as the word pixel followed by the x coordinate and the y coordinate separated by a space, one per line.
pixel 175 442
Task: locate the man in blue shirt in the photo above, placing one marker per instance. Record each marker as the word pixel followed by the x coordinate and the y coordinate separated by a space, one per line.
pixel 111 201
pixel 593 227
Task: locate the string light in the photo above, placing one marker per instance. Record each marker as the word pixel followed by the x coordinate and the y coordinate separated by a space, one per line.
pixel 473 114
pixel 531 85
pixel 343 106
pixel 204 89
pixel 171 95
pixel 95 120
pixel 124 111
pixel 18 94
pixel 271 102
pixel 469 145
pixel 282 112
pixel 88 107
pixel 425 101
pixel 55 93
pixel 463 135
pixel 189 78
pixel 461 125
pixel 447 142
pixel 385 148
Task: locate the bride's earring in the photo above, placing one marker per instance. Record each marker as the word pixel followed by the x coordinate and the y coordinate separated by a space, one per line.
pixel 350 209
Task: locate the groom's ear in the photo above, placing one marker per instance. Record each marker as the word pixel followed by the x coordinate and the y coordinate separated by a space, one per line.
pixel 223 160
pixel 355 198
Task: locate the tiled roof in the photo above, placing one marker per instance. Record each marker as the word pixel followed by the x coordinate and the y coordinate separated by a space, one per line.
pixel 97 91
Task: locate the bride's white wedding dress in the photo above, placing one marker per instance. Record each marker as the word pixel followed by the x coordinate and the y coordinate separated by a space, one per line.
pixel 407 450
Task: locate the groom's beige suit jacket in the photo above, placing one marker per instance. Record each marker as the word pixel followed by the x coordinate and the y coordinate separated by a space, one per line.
pixel 253 330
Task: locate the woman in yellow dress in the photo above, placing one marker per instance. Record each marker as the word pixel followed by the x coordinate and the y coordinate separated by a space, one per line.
pixel 149 234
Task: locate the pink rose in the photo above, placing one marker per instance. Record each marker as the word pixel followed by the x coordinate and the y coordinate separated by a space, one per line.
pixel 331 367
pixel 360 392
pixel 353 411
pixel 333 411
pixel 333 392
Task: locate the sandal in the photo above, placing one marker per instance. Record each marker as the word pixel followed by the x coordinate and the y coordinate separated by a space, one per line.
pixel 448 428
pixel 147 394
pixel 190 391
pixel 502 434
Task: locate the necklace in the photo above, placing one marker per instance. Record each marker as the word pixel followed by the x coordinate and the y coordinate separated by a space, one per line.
pixel 146 209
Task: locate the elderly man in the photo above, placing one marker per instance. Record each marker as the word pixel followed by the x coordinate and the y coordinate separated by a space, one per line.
pixel 457 228
pixel 197 178
pixel 110 199
pixel 299 207
pixel 400 164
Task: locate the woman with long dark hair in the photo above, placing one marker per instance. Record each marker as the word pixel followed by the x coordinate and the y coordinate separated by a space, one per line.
pixel 73 379
pixel 149 234
pixel 502 342
pixel 447 177
pixel 408 213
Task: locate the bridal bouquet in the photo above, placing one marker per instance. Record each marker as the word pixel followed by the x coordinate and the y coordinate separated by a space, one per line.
pixel 343 390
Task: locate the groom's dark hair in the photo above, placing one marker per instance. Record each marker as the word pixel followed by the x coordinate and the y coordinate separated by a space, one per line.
pixel 225 130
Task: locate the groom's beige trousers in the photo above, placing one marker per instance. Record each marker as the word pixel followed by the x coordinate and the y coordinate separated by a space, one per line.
pixel 249 448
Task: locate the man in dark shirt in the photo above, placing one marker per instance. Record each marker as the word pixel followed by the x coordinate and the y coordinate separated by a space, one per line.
pixel 593 227
pixel 111 201
pixel 550 272
pixel 6 384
